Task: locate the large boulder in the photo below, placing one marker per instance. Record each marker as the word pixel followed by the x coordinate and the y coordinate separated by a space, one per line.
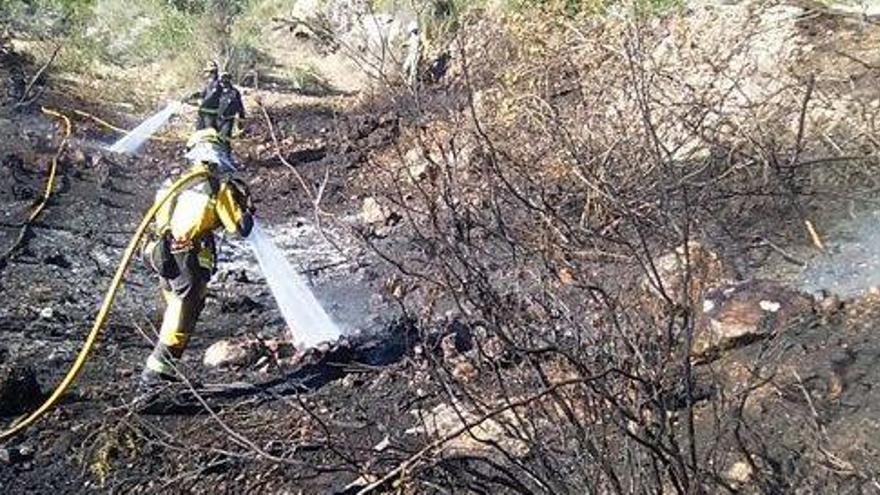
pixel 740 313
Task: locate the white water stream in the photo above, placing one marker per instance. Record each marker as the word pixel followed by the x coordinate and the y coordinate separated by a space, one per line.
pixel 307 321
pixel 136 138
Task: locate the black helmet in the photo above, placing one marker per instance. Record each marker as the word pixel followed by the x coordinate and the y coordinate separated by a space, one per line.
pixel 225 77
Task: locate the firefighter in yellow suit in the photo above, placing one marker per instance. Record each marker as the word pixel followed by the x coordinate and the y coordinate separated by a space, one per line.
pixel 184 251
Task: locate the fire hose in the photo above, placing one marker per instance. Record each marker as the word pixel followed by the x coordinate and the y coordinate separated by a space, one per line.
pixel 50 186
pixel 104 311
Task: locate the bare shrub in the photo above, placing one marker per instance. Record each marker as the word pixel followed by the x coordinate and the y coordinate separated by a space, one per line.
pixel 569 155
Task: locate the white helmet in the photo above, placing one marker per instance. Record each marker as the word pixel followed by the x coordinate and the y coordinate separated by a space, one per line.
pixel 205 146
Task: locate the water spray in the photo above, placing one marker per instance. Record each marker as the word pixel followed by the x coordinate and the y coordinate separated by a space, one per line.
pixel 136 138
pixel 308 323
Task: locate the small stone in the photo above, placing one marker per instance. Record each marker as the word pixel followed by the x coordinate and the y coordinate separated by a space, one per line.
pixel 830 304
pixel 78 157
pixel 47 313
pixel 494 348
pixel 700 267
pixel 381 446
pixel 418 165
pixel 566 277
pixel 739 472
pixel 372 212
pixel 770 306
pixel 464 371
pixel 708 305
pixel 350 381
pixel 225 353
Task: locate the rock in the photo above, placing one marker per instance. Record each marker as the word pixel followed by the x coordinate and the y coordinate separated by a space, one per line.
pixel 707 270
pixel 351 380
pixel 384 444
pixel 829 304
pixel 78 157
pixel 246 352
pixel 19 390
pixel 419 166
pixel 445 419
pixel 495 348
pixel 47 313
pixel 738 314
pixel 228 353
pixel 372 212
pixel 464 371
pixel 740 472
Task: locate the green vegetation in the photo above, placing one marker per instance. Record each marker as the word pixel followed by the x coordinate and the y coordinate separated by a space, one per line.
pixel 159 46
pixel 44 17
pixel 165 40
pixel 595 7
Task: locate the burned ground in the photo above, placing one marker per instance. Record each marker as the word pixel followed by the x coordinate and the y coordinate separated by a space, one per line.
pixel 85 227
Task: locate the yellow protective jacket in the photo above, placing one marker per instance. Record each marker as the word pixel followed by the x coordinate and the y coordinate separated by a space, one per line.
pixel 198 210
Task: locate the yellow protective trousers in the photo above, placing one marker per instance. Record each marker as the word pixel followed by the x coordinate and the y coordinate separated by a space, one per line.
pixel 184 300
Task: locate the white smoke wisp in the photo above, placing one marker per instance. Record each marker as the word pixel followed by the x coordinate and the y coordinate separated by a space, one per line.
pixel 308 323
pixel 136 138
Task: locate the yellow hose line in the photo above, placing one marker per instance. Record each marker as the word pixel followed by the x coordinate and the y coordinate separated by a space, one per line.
pixel 104 311
pixel 50 183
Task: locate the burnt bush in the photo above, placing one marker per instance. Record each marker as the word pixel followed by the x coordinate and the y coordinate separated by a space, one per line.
pixel 564 159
